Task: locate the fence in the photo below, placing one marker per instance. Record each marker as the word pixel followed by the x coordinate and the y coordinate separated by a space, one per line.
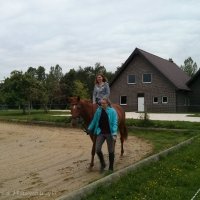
pixel 148 109
pixel 34 106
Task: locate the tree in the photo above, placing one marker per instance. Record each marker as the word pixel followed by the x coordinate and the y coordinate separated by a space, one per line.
pixel 67 83
pixel 87 75
pixel 99 69
pixel 37 91
pixel 32 71
pixel 41 76
pixel 13 90
pixel 53 84
pixel 80 90
pixel 189 67
pixel 56 72
pixel 22 89
pixel 2 97
pixel 34 87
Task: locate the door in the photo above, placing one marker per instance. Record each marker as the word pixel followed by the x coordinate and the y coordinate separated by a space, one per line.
pixel 140 104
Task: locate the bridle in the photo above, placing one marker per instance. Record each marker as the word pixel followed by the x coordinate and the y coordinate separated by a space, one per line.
pixel 78 117
pixel 75 106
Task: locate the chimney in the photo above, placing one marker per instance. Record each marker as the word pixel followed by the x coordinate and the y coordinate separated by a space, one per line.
pixel 170 60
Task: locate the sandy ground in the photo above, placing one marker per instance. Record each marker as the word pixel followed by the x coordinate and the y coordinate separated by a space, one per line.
pixel 38 162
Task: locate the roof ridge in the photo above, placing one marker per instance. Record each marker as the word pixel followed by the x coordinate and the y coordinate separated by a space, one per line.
pixel 166 67
pixel 153 55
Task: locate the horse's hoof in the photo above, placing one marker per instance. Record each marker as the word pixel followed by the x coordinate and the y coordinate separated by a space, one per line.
pixel 90 167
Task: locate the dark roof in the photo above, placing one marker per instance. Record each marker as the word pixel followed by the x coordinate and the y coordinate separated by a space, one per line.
pixel 194 77
pixel 168 68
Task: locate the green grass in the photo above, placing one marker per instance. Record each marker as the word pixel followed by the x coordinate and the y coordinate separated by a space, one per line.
pixel 163 139
pixel 175 177
pixel 35 115
pixel 194 115
pixel 163 124
pixel 40 115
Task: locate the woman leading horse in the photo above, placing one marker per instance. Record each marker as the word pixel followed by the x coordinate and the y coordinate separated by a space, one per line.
pixel 85 109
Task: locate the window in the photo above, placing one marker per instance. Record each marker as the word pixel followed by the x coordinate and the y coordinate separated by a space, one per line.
pixel 140 95
pixel 146 78
pixel 123 100
pixel 155 99
pixel 131 79
pixel 164 99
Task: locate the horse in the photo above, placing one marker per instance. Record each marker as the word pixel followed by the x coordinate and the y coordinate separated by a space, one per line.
pixel 85 109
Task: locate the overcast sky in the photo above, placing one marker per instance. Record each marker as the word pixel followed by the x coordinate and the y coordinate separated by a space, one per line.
pixel 75 33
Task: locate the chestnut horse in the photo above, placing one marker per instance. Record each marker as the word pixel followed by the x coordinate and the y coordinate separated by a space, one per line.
pixel 85 109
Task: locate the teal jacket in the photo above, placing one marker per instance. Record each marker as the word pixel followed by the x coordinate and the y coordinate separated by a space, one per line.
pixel 112 117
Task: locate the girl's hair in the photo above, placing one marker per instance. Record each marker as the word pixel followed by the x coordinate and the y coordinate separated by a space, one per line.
pixel 106 99
pixel 104 79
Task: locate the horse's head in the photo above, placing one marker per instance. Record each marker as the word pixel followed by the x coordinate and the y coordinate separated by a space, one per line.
pixel 75 110
pixel 81 109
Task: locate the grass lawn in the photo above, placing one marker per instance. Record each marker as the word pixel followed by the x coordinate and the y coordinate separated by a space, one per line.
pixel 195 115
pixel 40 115
pixel 163 124
pixel 35 115
pixel 163 139
pixel 175 177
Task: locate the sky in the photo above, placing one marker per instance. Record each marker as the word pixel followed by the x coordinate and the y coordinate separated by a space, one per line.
pixel 75 33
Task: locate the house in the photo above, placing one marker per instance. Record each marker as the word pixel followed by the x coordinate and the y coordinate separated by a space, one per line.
pixel 146 82
pixel 194 95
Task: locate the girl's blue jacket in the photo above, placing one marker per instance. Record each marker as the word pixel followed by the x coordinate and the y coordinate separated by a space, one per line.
pixel 112 117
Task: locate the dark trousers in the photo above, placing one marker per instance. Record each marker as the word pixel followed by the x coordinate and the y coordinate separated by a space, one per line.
pixel 111 146
pixel 101 139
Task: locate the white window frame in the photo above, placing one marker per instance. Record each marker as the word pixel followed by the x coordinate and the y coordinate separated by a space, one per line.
pixel 155 102
pixel 128 79
pixel 163 101
pixel 143 78
pixel 121 99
